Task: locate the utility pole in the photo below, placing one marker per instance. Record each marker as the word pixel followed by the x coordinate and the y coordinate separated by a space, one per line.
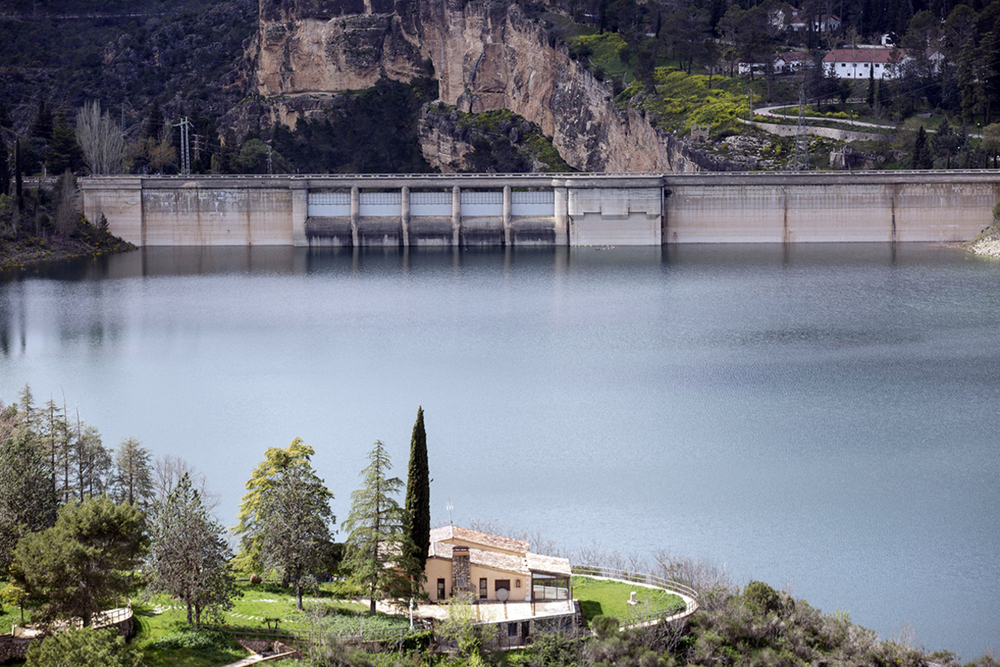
pixel 199 144
pixel 269 171
pixel 185 125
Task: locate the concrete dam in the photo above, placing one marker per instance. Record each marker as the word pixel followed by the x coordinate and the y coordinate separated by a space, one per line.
pixel 545 209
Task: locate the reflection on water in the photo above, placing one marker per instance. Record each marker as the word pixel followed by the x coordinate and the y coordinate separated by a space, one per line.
pixel 821 416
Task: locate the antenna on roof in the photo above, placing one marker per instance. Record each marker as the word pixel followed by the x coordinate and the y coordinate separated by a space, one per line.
pixel 450 507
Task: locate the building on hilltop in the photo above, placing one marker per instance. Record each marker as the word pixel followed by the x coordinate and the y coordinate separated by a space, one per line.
pixel 491 568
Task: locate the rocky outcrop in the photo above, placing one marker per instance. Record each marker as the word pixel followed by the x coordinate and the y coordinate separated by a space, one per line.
pixel 485 55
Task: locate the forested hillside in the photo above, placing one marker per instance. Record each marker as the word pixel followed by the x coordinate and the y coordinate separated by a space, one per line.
pixel 150 63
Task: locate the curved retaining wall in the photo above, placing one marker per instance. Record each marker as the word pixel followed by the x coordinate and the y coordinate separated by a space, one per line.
pixel 570 209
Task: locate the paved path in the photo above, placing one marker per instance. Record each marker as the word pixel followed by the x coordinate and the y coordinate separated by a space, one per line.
pixel 772 113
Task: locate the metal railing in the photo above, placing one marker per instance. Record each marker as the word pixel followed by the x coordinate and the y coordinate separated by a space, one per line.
pixel 642 578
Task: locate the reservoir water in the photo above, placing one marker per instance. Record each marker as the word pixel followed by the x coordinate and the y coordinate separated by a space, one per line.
pixel 821 417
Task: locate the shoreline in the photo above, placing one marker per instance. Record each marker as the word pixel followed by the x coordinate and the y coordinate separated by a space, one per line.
pixel 32 251
pixel 986 244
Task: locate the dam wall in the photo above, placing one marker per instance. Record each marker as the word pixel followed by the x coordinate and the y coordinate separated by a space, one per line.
pixel 532 209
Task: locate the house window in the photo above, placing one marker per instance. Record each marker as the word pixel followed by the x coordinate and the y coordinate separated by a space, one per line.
pixel 517 583
pixel 843 64
pixel 482 588
pixel 512 629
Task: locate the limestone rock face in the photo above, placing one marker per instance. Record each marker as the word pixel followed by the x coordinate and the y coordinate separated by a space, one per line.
pixel 484 54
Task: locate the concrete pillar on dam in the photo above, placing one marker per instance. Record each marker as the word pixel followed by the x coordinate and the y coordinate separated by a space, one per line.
pixel 300 213
pixel 404 216
pixel 561 214
pixel 355 215
pixel 506 214
pixel 456 215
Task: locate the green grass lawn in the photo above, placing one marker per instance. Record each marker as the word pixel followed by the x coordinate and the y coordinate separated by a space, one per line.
pixel 166 640
pixel 599 597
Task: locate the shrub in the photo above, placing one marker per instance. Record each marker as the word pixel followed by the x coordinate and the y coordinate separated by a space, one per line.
pixel 604 626
pixel 196 640
pixel 762 597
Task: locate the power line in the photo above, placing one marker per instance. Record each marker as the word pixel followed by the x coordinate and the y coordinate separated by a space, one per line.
pixel 185 125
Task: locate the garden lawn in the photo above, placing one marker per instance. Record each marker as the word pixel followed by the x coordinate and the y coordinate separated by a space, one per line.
pixel 602 597
pixel 166 640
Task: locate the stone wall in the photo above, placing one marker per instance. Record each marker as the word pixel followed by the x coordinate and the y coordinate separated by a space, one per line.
pixel 13 648
pixel 461 571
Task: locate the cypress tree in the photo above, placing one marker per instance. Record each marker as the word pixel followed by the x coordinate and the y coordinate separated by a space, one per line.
pixel 871 86
pixel 418 494
pixel 18 178
pixel 4 167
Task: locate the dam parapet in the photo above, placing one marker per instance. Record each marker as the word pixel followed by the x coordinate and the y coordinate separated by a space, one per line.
pixel 471 210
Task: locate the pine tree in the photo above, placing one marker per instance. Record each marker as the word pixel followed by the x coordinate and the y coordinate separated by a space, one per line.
pixel 63 152
pixel 132 480
pixel 27 501
pixel 83 563
pixel 418 500
pixel 377 546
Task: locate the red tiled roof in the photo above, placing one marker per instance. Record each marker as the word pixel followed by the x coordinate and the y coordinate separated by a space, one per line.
pixel 884 56
pixel 475 537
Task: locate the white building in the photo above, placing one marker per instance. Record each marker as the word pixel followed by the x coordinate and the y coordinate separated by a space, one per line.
pixel 862 63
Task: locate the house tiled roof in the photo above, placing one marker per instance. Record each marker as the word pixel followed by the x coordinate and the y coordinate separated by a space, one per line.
pixel 883 56
pixel 475 537
pixel 491 559
pixel 548 564
pixel 495 551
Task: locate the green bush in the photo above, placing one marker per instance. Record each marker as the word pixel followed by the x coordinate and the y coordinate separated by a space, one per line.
pixel 762 597
pixel 604 626
pixel 196 640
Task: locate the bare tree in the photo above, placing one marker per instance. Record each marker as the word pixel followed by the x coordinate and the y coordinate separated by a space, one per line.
pixel 167 472
pixel 101 140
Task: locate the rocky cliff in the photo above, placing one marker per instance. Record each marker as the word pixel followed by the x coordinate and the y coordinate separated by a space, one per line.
pixel 484 54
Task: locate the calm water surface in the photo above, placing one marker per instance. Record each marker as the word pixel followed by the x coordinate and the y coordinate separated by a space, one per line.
pixel 820 417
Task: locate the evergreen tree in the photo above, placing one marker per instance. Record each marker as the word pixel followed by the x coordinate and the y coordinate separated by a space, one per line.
pixel 85 647
pixel 189 555
pixel 921 152
pixel 132 479
pixel 62 152
pixel 42 125
pixel 4 167
pixel 27 501
pixel 418 500
pixel 18 177
pixel 55 438
pixel 83 563
pixel 5 119
pixel 378 549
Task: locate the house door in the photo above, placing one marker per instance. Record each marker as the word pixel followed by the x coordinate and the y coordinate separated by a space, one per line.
pixel 482 588
pixel 502 584
pixel 441 595
pixel 525 631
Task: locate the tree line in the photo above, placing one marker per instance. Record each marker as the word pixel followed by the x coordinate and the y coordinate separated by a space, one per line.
pixel 82 527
